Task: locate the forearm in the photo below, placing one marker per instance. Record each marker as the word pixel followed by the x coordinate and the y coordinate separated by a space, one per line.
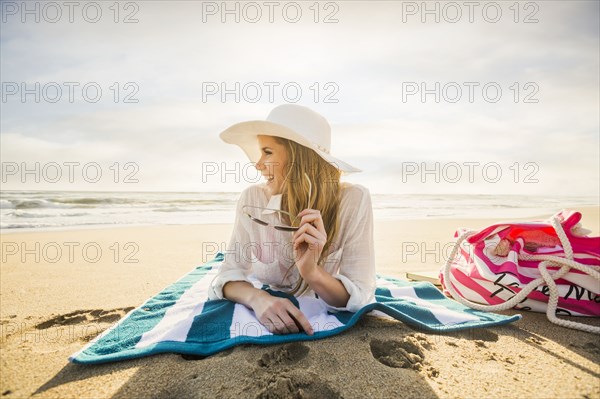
pixel 242 292
pixel 330 289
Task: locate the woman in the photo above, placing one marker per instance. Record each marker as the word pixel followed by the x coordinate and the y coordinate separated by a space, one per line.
pixel 329 254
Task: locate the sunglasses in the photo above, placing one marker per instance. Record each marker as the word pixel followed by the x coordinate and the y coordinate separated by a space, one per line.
pixel 277 226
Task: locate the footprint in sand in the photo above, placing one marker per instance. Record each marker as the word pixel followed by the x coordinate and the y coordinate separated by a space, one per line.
pixel 284 355
pixel 401 353
pixel 82 316
pixel 65 323
pixel 297 384
pixel 592 347
pixel 589 347
pixel 85 317
pixel 280 381
pixel 482 334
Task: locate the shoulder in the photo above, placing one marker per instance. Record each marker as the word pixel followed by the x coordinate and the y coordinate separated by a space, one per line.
pixel 354 194
pixel 355 211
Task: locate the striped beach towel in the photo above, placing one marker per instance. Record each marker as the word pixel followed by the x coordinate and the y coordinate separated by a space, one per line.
pixel 181 319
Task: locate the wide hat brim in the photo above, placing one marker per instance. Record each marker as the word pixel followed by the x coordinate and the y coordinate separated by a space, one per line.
pixel 244 134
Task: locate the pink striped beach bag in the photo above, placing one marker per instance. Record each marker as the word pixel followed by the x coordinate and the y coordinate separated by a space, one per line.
pixel 550 266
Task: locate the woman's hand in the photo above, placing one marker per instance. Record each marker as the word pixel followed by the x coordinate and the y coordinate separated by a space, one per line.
pixel 279 315
pixel 309 241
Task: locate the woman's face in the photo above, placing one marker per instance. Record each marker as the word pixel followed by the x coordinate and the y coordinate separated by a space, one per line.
pixel 272 163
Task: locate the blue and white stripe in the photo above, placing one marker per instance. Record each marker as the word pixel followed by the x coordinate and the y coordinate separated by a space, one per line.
pixel 181 319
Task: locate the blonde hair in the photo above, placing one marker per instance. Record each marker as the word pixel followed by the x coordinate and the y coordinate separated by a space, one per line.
pixel 325 194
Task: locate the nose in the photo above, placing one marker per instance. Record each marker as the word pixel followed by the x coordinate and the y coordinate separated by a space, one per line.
pixel 259 164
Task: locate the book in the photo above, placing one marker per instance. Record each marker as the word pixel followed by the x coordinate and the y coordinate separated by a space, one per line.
pixel 431 276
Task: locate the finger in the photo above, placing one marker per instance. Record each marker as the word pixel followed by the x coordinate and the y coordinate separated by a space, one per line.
pixel 277 326
pixel 301 319
pixel 315 219
pixel 312 230
pixel 282 325
pixel 308 226
pixel 312 241
pixel 270 326
pixel 307 211
pixel 315 232
pixel 288 322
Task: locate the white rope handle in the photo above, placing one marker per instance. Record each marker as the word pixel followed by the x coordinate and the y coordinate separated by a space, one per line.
pixel 547 278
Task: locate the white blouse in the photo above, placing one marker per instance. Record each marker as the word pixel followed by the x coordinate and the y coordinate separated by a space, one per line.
pixel 267 253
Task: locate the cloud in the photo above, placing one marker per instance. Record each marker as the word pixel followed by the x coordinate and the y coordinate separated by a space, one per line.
pixel 367 58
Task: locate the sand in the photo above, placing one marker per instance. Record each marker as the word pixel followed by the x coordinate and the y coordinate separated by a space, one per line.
pixel 51 306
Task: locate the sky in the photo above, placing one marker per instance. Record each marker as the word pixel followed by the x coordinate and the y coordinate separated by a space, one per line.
pixel 133 97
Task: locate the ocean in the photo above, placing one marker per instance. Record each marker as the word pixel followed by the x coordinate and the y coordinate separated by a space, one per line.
pixel 46 210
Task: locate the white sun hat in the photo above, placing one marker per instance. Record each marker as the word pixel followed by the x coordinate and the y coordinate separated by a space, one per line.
pixel 290 121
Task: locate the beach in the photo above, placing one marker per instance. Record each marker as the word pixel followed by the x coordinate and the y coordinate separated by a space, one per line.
pixel 59 289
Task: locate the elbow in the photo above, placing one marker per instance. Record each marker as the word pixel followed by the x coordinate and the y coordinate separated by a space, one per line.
pixel 359 295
